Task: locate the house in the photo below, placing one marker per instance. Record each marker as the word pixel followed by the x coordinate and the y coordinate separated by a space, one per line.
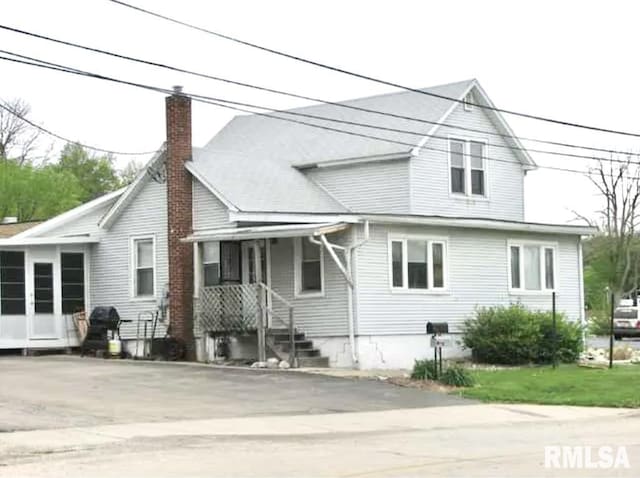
pixel 362 241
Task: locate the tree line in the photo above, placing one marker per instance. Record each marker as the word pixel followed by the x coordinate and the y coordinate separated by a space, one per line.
pixel 36 187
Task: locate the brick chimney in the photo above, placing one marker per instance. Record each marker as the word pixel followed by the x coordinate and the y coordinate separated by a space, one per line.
pixel 179 224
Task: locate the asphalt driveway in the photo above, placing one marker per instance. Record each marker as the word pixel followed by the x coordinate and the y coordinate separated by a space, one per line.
pixel 67 391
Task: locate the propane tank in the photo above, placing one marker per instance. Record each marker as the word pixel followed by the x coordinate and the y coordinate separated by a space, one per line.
pixel 115 347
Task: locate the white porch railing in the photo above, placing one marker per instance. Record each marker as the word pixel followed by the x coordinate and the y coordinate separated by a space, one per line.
pixel 241 309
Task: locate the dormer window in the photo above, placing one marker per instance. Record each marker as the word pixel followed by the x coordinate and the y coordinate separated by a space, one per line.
pixel 467 167
pixel 467 102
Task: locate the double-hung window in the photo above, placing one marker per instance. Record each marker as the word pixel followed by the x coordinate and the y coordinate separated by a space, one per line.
pixel 211 263
pixel 143 261
pixel 309 268
pixel 417 263
pixel 467 160
pixel 532 267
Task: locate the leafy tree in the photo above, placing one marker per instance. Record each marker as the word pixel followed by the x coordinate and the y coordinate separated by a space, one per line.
pixel 95 174
pixel 30 192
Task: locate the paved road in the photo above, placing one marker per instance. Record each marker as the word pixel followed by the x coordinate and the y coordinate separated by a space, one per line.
pixel 86 417
pixel 66 391
pixel 603 342
pixel 458 441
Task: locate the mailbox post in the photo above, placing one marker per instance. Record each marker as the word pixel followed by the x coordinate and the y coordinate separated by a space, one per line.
pixel 436 330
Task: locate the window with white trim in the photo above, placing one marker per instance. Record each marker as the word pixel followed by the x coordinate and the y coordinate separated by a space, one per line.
pixel 417 264
pixel 532 267
pixel 143 261
pixel 467 159
pixel 211 263
pixel 309 267
pixel 467 102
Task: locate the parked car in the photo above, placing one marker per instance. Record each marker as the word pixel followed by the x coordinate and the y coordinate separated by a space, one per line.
pixel 626 320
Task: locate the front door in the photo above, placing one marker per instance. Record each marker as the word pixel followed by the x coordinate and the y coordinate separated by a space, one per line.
pixel 250 265
pixel 42 306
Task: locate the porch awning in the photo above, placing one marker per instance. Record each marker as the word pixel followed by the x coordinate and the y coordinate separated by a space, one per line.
pixel 48 241
pixel 266 232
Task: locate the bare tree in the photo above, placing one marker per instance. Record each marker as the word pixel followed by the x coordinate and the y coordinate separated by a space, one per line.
pixel 17 137
pixel 618 182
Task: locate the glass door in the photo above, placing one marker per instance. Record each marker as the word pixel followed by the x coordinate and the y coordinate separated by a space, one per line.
pixel 43 324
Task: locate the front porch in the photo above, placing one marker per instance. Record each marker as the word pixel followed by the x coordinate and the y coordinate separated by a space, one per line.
pixel 42 284
pixel 260 291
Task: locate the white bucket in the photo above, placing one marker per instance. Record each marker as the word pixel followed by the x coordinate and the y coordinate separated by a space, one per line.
pixel 115 347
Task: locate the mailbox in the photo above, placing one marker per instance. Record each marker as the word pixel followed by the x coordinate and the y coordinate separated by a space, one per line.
pixel 437 327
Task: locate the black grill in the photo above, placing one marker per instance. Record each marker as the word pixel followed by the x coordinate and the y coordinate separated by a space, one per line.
pixel 101 321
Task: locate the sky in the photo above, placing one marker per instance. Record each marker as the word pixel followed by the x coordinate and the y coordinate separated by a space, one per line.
pixel 569 60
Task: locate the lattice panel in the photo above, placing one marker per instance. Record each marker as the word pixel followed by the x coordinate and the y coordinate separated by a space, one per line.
pixel 229 309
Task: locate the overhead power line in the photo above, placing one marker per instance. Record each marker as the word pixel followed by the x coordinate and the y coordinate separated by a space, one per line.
pixel 370 78
pixel 13 112
pixel 217 102
pixel 337 104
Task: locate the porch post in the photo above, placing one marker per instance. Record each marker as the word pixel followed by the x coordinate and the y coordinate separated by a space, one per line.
pixel 262 306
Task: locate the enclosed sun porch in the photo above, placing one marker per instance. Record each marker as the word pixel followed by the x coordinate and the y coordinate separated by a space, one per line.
pixel 264 291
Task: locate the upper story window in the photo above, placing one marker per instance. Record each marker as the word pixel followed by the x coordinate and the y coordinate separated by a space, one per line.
pixel 211 263
pixel 467 159
pixel 532 267
pixel 309 268
pixel 467 102
pixel 144 264
pixel 417 263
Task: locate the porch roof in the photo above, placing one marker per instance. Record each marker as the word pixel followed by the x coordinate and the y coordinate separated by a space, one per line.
pixel 266 232
pixel 48 241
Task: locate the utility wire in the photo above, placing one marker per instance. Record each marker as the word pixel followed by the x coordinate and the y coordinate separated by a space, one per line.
pixel 360 124
pixel 371 78
pixel 216 102
pixel 8 109
pixel 319 100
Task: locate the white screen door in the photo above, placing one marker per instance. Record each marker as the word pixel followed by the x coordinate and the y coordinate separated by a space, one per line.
pixel 42 299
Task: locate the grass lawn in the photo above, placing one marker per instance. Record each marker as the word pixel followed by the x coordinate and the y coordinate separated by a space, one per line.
pixel 566 385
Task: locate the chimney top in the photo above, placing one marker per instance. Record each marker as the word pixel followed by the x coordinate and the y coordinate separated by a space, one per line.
pixel 177 89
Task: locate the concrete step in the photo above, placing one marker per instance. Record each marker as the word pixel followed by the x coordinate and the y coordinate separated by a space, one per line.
pixel 300 344
pixel 307 353
pixel 315 362
pixel 282 338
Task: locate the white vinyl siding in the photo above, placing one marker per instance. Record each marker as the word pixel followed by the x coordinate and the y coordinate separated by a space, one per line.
pixel 208 211
pixel 430 174
pixel 368 187
pixel 477 268
pixel 84 225
pixel 324 315
pixel 111 258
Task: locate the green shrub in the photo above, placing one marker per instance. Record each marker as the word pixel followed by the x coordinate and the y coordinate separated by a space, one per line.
pixel 457 376
pixel 599 323
pixel 514 335
pixel 424 370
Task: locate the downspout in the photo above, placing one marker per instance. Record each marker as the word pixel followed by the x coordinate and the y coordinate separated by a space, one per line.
pixel 348 274
pixel 583 319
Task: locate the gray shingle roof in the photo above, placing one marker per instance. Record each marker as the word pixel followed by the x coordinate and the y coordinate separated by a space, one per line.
pixel 250 161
